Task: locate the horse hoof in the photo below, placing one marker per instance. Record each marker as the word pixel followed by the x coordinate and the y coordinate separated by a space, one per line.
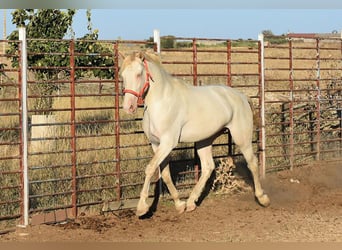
pixel 190 208
pixel 180 207
pixel 264 200
pixel 141 213
pixel 142 210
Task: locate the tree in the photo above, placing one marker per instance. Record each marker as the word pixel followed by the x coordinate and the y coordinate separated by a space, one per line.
pixel 55 24
pixel 271 38
pixel 267 33
pixel 167 42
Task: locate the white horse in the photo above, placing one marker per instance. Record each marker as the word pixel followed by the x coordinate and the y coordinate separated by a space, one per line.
pixel 178 112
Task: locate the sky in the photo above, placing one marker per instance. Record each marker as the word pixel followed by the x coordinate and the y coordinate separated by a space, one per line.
pixel 133 23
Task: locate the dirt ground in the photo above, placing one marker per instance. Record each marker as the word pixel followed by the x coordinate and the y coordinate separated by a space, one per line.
pixel 306 206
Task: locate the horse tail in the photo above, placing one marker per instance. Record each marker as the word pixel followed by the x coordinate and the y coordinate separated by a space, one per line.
pixel 256 118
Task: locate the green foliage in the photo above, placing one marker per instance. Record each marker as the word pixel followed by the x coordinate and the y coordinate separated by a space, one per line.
pixel 245 43
pixel 276 39
pixel 95 56
pixel 267 33
pixel 149 44
pixel 167 42
pixel 271 38
pixel 43 54
pixel 184 44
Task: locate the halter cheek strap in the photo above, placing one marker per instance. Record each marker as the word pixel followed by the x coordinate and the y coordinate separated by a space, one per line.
pixel 142 93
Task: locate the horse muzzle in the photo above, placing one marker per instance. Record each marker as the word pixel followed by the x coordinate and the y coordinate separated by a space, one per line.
pixel 130 104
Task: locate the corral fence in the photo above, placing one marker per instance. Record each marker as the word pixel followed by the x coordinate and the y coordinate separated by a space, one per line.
pixel 68 147
pixel 303 101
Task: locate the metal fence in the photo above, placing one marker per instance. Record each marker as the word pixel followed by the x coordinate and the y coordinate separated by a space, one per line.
pixel 84 152
pixel 303 98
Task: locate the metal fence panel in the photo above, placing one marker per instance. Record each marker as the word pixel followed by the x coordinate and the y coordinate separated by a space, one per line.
pixel 303 87
pixel 11 179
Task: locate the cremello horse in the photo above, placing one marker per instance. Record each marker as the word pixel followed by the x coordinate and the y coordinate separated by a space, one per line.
pixel 178 112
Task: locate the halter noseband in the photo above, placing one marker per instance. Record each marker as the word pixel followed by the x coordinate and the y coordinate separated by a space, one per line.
pixel 142 93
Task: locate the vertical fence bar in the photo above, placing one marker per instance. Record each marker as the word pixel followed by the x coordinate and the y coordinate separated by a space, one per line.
pixel 21 136
pixel 4 31
pixel 318 99
pixel 24 127
pixel 156 48
pixel 73 128
pixel 117 119
pixel 194 71
pixel 262 132
pixel 194 61
pixel 340 110
pixel 291 106
pixel 229 63
pixel 156 40
pixel 229 83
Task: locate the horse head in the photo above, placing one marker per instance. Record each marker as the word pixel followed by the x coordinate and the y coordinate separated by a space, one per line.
pixel 136 80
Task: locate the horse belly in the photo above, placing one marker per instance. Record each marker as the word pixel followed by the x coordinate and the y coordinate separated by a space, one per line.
pixel 201 129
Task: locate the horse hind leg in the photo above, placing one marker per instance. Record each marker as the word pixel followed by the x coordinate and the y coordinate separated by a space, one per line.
pixel 252 163
pixel 243 139
pixel 207 167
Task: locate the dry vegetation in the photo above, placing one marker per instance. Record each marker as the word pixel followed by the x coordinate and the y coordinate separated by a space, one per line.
pixel 227 181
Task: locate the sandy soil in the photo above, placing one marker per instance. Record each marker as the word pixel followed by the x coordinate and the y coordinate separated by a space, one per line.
pixel 306 207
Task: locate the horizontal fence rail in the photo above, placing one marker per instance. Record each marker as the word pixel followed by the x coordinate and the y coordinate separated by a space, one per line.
pixel 84 152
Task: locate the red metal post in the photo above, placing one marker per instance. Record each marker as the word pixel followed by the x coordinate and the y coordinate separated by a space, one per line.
pixel 194 66
pixel 73 128
pixel 194 61
pixel 318 99
pixel 291 106
pixel 261 100
pixel 117 118
pixel 229 63
pixel 229 83
pixel 155 47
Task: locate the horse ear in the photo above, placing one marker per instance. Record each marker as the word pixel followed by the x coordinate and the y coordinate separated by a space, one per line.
pixel 141 55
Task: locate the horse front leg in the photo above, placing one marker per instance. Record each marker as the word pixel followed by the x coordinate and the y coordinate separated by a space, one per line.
pixel 161 152
pixel 166 175
pixel 180 205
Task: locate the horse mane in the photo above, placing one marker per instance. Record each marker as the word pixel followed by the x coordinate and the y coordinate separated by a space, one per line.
pixel 143 55
pixel 150 57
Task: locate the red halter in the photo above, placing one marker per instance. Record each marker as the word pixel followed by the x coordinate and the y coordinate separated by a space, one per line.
pixel 144 89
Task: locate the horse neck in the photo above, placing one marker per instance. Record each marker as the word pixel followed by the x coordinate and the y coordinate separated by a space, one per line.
pixel 159 84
